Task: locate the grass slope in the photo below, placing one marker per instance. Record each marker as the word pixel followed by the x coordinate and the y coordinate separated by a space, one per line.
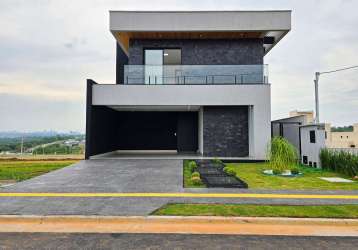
pixel 251 173
pixel 322 211
pixel 22 170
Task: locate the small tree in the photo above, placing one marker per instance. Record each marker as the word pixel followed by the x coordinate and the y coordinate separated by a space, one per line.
pixel 281 154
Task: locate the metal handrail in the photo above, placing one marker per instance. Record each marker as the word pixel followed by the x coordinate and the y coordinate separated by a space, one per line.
pixel 184 79
pixel 188 74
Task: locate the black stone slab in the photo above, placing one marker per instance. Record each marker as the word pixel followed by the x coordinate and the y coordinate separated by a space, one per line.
pixel 210 171
pixel 208 163
pixel 224 181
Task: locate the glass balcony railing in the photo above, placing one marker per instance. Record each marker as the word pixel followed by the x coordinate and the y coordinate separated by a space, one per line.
pixel 195 74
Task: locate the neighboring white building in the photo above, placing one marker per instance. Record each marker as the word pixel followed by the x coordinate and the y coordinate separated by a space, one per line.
pixel 299 130
pixel 312 142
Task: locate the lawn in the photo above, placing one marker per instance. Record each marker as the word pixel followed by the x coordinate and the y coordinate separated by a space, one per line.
pixel 251 173
pixel 321 211
pixel 21 170
pixel 187 176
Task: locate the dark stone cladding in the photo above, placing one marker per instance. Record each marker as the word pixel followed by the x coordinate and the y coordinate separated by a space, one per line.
pixel 121 60
pixel 203 51
pixel 226 131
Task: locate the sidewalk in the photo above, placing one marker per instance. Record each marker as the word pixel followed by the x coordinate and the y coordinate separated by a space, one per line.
pixel 180 225
pixel 143 204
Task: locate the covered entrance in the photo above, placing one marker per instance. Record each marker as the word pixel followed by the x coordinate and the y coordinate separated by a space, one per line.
pixel 158 131
pixel 166 131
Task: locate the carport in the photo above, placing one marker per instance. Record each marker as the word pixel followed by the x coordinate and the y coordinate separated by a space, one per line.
pixel 112 129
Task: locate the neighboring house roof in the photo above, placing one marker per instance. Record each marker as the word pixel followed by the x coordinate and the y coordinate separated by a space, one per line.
pixel 297 118
pixel 271 25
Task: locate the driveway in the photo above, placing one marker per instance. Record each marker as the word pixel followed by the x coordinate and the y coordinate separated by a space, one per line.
pixel 127 176
pixel 110 176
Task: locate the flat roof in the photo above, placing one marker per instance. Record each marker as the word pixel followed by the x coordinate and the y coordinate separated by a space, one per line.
pixel 200 24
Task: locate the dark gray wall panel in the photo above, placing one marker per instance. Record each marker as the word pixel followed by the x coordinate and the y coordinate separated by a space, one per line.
pixel 207 52
pixel 101 125
pixel 121 60
pixel 226 131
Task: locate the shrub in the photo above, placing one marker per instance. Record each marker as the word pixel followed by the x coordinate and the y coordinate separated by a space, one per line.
pixel 217 161
pixel 295 171
pixel 229 171
pixel 339 161
pixel 192 166
pixel 281 154
pixel 196 180
pixel 195 174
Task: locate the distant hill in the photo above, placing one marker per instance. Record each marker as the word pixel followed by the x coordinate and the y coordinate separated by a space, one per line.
pixel 17 134
pixel 13 141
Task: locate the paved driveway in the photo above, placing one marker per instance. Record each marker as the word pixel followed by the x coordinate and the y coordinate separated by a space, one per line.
pixel 126 176
pixel 102 176
pixel 109 176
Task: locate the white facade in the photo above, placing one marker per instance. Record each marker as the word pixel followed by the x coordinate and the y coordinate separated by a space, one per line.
pixel 311 149
pixel 276 23
pixel 192 97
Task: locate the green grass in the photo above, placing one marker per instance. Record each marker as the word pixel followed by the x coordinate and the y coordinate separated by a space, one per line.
pixel 187 177
pixel 321 211
pixel 251 173
pixel 22 170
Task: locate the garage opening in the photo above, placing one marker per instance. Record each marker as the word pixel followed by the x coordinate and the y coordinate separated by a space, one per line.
pixel 158 131
pixel 143 130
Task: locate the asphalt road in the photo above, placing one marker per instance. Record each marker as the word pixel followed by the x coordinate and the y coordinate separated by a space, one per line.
pixel 169 241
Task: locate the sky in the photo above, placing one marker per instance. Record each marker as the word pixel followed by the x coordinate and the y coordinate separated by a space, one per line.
pixel 49 48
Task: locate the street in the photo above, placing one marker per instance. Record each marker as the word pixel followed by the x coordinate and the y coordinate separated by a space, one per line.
pixel 168 241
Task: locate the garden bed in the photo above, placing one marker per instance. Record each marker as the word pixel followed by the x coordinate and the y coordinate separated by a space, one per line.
pixel 209 174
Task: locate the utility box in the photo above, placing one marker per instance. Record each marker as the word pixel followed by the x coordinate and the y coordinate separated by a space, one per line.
pixel 312 141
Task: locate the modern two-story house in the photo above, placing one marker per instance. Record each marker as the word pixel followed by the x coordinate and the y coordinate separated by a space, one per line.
pixel 187 82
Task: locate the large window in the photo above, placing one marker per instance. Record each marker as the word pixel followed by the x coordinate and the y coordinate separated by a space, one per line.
pixel 155 70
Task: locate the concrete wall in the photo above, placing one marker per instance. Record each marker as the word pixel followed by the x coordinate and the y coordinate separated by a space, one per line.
pixel 201 51
pixel 226 131
pixel 200 20
pixel 342 139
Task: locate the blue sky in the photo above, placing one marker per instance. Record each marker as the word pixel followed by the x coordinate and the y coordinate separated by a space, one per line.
pixel 49 48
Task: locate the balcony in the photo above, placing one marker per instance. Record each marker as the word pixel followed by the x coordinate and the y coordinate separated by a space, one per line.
pixel 195 74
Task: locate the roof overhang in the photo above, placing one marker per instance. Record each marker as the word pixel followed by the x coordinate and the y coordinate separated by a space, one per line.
pixel 271 25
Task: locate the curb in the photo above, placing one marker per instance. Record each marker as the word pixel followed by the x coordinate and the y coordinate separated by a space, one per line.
pixel 180 225
pixel 188 195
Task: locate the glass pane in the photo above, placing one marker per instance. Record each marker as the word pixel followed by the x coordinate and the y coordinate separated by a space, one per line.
pixel 170 73
pixel 172 56
pixel 153 66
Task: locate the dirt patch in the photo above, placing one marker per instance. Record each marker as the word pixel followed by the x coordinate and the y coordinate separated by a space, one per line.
pixel 7 182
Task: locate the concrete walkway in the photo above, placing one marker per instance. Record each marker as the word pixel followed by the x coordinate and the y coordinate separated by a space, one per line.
pixel 117 178
pixel 180 224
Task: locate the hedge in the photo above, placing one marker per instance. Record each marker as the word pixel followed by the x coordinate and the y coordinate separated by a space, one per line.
pixel 339 161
